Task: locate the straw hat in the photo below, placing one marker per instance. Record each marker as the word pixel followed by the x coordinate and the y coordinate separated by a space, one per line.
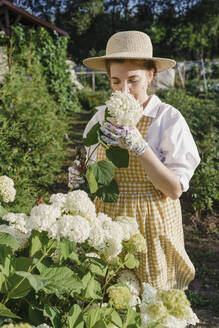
pixel 129 45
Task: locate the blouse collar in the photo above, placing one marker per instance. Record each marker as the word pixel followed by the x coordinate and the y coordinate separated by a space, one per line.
pixel 152 106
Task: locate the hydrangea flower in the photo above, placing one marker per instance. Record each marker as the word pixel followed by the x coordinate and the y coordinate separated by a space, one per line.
pixel 120 296
pixel 124 109
pixel 58 200
pixel 97 237
pixel 7 190
pixel 112 249
pixel 129 226
pixel 137 244
pixel 176 302
pixel 128 278
pixel 44 217
pixel 19 325
pixel 75 228
pixel 79 203
pixel 18 221
pixel 169 307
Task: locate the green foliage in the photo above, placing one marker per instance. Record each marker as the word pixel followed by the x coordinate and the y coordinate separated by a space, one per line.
pixel 201 116
pixel 32 135
pixel 51 52
pixel 90 100
pixel 62 294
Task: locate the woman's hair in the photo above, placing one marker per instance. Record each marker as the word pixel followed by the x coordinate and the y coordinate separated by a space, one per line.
pixel 148 65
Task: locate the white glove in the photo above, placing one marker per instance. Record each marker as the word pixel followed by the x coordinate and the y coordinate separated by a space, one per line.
pixel 75 179
pixel 124 137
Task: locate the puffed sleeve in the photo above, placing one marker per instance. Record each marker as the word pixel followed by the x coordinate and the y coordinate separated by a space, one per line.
pixel 178 147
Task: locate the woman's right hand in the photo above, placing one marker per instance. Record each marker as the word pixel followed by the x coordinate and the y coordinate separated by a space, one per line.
pixel 75 177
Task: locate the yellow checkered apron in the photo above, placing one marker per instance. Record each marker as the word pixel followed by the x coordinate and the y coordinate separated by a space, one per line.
pixel 166 264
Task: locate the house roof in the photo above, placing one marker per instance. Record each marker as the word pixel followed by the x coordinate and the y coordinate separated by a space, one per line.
pixel 11 15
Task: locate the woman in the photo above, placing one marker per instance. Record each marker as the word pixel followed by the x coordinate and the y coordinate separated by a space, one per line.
pixel 163 157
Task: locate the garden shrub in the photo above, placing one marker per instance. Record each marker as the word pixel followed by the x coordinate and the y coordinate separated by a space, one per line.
pixel 51 51
pixel 89 100
pixel 201 116
pixel 31 134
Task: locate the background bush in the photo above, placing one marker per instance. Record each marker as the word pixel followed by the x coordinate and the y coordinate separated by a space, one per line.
pixel 89 100
pixel 51 51
pixel 32 126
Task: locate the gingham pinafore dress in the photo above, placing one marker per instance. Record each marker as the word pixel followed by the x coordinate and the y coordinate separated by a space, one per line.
pixel 166 264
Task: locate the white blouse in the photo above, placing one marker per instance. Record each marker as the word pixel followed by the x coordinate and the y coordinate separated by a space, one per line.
pixel 168 136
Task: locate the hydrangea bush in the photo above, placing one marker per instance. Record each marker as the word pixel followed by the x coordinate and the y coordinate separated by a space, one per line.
pixel 64 265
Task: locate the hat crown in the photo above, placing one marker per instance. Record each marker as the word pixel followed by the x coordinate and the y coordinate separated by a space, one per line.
pixel 132 42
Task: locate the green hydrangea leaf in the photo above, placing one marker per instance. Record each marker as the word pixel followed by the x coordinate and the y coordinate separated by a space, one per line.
pixel 92 136
pixel 53 314
pixel 61 280
pixel 97 266
pixel 66 247
pixel 36 281
pixel 115 318
pixel 93 317
pixel 5 312
pixel 92 182
pixel 8 240
pixel 118 156
pixel 75 317
pixel 103 172
pixel 109 193
pixel 132 319
pixel 131 261
pixel 156 325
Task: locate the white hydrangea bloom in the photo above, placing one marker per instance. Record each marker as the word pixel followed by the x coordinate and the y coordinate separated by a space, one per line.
pixel 97 237
pixel 58 200
pixel 193 318
pixel 102 218
pixel 112 229
pixel 75 228
pixel 152 297
pixel 44 217
pixel 129 278
pixel 7 190
pixel 149 294
pixel 124 109
pixel 18 221
pixel 79 203
pixel 112 249
pixel 73 75
pixel 129 226
pixel 22 238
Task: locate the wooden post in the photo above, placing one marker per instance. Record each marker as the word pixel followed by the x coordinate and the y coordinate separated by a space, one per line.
pixel 93 81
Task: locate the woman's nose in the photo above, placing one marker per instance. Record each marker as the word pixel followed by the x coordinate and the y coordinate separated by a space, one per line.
pixel 124 87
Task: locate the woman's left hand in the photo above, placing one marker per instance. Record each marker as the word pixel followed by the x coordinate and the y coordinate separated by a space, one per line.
pixel 124 137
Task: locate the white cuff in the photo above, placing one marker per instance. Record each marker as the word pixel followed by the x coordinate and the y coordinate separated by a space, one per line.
pixel 184 182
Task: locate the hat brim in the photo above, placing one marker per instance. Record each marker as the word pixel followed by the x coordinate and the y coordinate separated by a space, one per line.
pixel 99 63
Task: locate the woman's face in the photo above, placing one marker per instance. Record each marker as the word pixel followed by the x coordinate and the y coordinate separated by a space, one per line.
pixel 129 76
